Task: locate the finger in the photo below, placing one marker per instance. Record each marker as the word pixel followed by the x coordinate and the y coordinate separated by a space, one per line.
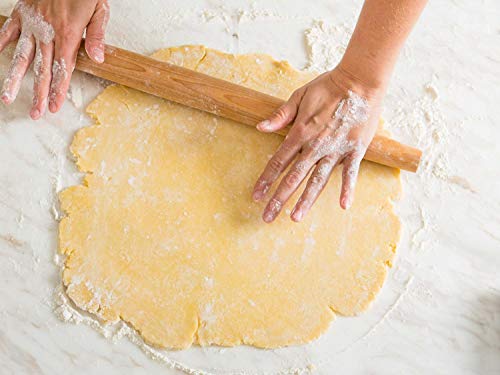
pixel 10 31
pixel 277 164
pixel 23 56
pixel 64 62
pixel 42 66
pixel 284 115
pixel 349 177
pixel 315 185
pixel 289 184
pixel 94 40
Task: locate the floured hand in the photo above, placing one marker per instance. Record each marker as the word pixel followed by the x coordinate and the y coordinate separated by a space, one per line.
pixel 50 32
pixel 334 120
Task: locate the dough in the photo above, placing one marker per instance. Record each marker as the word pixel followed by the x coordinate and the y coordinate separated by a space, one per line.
pixel 163 233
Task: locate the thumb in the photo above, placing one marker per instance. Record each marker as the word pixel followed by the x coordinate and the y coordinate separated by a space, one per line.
pixel 94 39
pixel 283 116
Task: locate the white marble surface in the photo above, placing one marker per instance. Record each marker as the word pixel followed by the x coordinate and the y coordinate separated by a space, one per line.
pixel 439 311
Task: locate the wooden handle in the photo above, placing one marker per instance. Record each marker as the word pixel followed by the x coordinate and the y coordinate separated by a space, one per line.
pixel 216 96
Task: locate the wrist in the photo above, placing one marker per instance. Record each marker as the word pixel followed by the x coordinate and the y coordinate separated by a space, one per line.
pixel 347 79
pixel 369 63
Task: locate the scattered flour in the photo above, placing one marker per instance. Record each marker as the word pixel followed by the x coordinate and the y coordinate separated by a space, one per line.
pixel 326 44
pixel 67 312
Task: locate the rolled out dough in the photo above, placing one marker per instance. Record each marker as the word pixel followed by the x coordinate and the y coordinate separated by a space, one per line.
pixel 163 233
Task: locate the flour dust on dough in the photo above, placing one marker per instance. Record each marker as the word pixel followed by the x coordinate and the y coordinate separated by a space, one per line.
pixel 163 233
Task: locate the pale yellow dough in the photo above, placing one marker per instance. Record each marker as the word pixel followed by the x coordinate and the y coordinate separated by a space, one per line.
pixel 163 233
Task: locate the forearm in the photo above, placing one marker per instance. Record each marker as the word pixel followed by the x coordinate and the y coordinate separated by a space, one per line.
pixel 382 29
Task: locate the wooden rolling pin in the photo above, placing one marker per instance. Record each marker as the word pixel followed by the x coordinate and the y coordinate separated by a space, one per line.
pixel 216 96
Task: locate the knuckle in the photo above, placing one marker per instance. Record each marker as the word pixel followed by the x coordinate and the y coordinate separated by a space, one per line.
pixel 329 159
pixel 21 59
pixel 317 179
pixel 315 144
pixel 316 120
pixel 351 172
pixel 67 33
pixel 276 165
pixel 280 113
pixel 300 130
pixel 96 37
pixel 96 34
pixel 292 179
pixel 44 70
pixel 287 146
pixel 296 95
pixel 302 167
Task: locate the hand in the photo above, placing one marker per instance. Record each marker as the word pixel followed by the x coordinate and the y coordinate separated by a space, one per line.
pixel 50 32
pixel 334 120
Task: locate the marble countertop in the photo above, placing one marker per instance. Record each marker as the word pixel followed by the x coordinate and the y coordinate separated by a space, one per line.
pixel 439 311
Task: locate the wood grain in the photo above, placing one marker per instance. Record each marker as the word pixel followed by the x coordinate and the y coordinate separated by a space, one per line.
pixel 216 96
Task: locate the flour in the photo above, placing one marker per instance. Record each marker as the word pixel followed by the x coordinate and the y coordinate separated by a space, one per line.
pixel 33 29
pixel 425 126
pixel 59 75
pixel 34 24
pixel 37 63
pixel 351 112
pixel 253 13
pixel 12 82
pixel 83 88
pixel 326 44
pixel 66 312
pixel 274 208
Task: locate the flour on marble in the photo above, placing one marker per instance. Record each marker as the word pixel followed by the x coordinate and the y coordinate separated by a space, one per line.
pixel 326 44
pixel 83 89
pixel 67 312
pixel 252 13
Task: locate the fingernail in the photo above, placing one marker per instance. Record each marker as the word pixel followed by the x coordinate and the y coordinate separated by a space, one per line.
pixel 35 114
pixel 264 125
pixel 257 195
pixel 99 55
pixel 52 107
pixel 6 98
pixel 260 190
pixel 268 217
pixel 273 209
pixel 347 203
pixel 297 215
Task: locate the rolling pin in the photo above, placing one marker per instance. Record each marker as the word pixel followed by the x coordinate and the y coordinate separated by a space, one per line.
pixel 216 96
